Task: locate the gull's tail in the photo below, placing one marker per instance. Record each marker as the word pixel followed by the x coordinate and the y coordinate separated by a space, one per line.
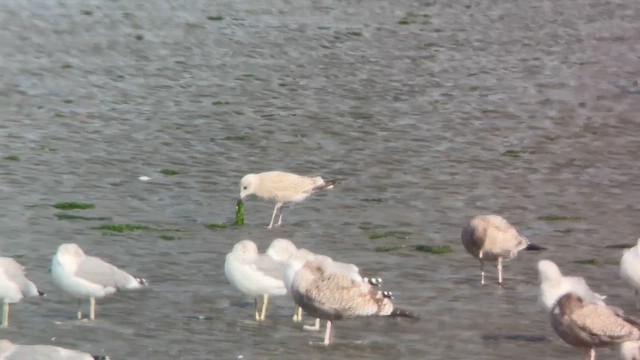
pixel 396 312
pixel 328 184
pixel 535 247
pixel 142 282
pixel 100 357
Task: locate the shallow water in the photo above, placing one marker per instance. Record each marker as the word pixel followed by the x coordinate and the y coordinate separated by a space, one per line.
pixel 417 116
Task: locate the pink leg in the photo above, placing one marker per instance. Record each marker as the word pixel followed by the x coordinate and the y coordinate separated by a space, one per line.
pixel 328 335
pixel 500 270
pixel 273 217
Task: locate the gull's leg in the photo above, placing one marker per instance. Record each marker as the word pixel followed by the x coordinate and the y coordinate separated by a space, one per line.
pixel 255 306
pixel 500 270
pixel 481 268
pixel 273 217
pixel 5 315
pixel 280 217
pixel 79 309
pixel 297 314
pixel 265 301
pixel 314 327
pixel 92 308
pixel 637 302
pixel 592 354
pixel 328 334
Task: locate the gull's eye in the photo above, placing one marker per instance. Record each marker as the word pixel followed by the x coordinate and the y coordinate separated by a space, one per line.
pixel 244 187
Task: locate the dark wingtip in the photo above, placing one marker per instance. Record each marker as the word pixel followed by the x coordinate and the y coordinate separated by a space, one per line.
pixel 387 294
pixel 404 313
pixel 142 281
pixel 328 184
pixel 41 293
pixel 374 281
pixel 101 357
pixel 535 247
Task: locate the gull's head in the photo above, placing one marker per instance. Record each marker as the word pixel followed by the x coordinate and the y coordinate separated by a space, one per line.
pixel 248 185
pixel 245 248
pixel 70 250
pixel 548 270
pixel 281 250
pixel 568 303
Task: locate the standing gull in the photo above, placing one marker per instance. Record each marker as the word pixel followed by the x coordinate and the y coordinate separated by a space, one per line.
pixel 492 238
pixel 328 294
pixel 281 187
pixel 11 351
pixel 85 276
pixel 256 274
pixel 14 285
pixel 589 326
pixel 630 270
pixel 553 285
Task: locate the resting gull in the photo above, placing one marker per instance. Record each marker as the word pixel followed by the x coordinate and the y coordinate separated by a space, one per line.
pixel 327 293
pixel 14 286
pixel 82 276
pixel 588 325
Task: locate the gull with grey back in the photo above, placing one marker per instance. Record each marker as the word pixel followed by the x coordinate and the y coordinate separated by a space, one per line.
pixel 282 188
pixel 630 270
pixel 14 286
pixel 11 351
pixel 492 238
pixel 630 350
pixel 554 285
pixel 83 276
pixel 257 274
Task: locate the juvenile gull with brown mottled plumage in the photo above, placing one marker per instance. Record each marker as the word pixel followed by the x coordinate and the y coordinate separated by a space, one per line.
pixel 281 187
pixel 492 238
pixel 327 293
pixel 589 325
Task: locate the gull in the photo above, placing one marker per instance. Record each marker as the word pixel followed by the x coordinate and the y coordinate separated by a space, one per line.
pixel 630 350
pixel 282 187
pixel 301 257
pixel 630 270
pixel 324 292
pixel 11 351
pixel 14 286
pixel 492 238
pixel 553 285
pixel 85 276
pixel 257 274
pixel 291 267
pixel 281 250
pixel 588 325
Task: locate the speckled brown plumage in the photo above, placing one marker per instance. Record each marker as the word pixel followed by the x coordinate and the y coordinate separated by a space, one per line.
pixel 588 325
pixel 492 238
pixel 333 296
pixel 326 293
